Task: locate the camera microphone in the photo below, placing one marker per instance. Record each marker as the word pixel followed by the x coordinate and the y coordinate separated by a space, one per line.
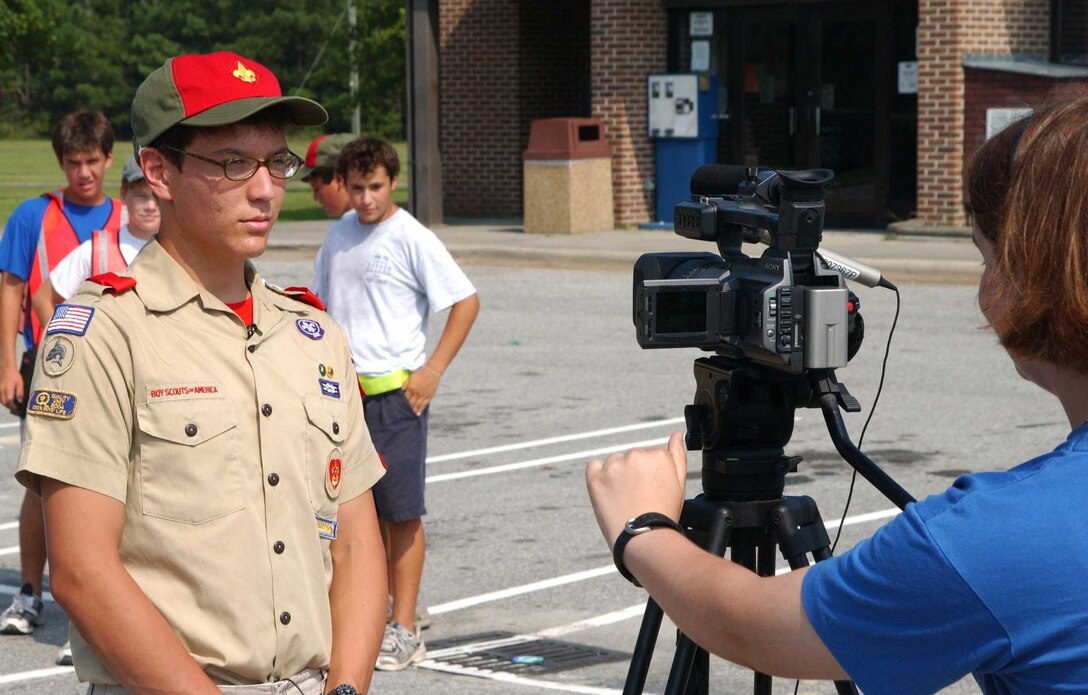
pixel 718 179
pixel 853 270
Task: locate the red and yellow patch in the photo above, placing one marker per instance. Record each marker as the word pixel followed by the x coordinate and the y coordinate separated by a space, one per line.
pixel 334 471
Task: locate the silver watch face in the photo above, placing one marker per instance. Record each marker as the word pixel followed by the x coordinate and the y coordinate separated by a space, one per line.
pixel 344 690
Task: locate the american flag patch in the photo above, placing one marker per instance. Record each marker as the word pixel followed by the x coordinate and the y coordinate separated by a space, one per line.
pixel 70 318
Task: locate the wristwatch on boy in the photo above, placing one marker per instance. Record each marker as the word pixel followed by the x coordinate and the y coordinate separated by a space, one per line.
pixel 343 689
pixel 640 524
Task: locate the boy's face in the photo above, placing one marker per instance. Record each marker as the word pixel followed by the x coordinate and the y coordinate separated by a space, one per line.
pixel 143 209
pixel 85 173
pixel 212 217
pixel 372 194
pixel 331 196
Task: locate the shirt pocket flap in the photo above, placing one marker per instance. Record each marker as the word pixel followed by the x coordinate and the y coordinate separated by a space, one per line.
pixel 329 416
pixel 188 422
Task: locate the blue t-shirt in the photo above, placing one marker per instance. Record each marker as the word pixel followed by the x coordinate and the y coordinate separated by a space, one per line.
pixel 989 578
pixel 23 229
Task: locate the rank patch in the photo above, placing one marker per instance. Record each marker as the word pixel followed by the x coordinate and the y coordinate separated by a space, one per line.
pixel 326 528
pixel 59 353
pixel 58 404
pixel 70 318
pixel 334 469
pixel 310 328
pixel 330 388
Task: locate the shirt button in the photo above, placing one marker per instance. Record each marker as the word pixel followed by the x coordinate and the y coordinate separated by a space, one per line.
pixel 252 348
pixel 285 617
pixel 336 428
pixel 266 409
pixel 190 430
pixel 273 479
pixel 279 547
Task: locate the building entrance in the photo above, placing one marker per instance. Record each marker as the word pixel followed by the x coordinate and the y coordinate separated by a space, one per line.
pixel 808 87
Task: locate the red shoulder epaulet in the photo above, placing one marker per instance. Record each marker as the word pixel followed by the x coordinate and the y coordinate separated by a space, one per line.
pixel 304 295
pixel 115 282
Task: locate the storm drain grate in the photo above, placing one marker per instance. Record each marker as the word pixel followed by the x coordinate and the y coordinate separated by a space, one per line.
pixel 524 655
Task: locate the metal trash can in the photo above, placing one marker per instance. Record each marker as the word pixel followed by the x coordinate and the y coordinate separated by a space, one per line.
pixel 567 177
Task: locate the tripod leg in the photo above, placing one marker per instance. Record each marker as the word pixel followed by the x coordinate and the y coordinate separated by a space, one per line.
pixel 801 530
pixel 765 567
pixel 644 649
pixel 690 673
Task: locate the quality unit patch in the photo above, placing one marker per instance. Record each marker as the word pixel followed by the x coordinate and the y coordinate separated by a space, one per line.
pixel 326 528
pixel 58 404
pixel 70 318
pixel 59 352
pixel 334 469
pixel 330 388
pixel 310 328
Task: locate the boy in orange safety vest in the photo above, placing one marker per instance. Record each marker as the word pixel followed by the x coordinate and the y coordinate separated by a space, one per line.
pixel 107 251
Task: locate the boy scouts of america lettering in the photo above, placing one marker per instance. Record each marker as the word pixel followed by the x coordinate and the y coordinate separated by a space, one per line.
pixel 58 404
pixel 162 392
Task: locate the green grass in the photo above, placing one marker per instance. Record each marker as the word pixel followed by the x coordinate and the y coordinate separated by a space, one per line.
pixel 29 168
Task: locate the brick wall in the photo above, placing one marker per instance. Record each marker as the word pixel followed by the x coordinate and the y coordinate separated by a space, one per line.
pixel 948 30
pixel 480 127
pixel 629 38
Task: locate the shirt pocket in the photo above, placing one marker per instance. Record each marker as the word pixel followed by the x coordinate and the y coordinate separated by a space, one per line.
pixel 189 468
pixel 326 432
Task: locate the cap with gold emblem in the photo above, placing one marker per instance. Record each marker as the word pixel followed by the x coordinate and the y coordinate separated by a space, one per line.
pixel 212 89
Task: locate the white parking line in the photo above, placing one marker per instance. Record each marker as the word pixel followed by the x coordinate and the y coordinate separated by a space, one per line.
pixel 555 440
pixel 588 453
pixel 34 675
pixel 9 550
pixel 8 526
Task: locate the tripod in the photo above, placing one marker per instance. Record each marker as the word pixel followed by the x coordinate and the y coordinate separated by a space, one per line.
pixel 742 418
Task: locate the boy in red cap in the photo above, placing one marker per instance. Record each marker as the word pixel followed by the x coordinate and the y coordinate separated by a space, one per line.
pixel 205 476
pixel 319 170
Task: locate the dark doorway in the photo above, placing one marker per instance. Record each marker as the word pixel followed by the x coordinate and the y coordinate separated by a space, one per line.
pixel 811 86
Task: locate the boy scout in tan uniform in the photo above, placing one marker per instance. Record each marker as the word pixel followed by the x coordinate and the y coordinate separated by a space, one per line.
pixel 197 436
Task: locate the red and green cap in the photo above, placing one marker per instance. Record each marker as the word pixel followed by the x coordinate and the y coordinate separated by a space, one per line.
pixel 213 89
pixel 323 153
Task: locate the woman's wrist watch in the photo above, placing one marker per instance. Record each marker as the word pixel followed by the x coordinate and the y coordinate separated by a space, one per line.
pixel 633 527
pixel 343 689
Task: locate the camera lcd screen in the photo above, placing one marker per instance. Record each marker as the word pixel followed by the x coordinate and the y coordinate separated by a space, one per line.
pixel 681 312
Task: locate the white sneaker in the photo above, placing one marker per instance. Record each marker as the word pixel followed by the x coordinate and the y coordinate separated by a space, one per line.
pixel 400 648
pixel 64 654
pixel 24 613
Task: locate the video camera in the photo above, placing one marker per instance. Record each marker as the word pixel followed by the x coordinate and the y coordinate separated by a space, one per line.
pixel 788 310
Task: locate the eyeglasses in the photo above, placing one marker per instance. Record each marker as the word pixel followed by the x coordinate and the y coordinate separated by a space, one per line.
pixel 280 166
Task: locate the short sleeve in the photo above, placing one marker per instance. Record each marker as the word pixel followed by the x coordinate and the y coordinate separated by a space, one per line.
pixel 442 279
pixel 73 269
pixel 21 237
pixel 362 467
pixel 79 415
pixel 898 616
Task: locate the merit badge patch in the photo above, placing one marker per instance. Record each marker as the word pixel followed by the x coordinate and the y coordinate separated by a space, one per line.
pixel 70 318
pixel 330 388
pixel 334 470
pixel 325 371
pixel 58 404
pixel 310 328
pixel 326 528
pixel 59 352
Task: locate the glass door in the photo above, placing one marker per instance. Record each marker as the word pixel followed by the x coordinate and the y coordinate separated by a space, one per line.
pixel 769 130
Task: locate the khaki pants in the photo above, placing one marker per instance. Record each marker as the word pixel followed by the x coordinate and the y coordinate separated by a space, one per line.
pixel 309 682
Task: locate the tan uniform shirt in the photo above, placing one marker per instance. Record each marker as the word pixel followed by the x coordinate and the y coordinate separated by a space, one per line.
pixel 231 453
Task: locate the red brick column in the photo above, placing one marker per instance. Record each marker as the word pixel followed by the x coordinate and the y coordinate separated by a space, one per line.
pixel 480 121
pixel 629 40
pixel 947 31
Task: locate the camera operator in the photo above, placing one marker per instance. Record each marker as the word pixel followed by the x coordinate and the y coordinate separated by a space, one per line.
pixel 985 578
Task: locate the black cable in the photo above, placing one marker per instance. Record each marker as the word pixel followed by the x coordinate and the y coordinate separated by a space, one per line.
pixel 861 439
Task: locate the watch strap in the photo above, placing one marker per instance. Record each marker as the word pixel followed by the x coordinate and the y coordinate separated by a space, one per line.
pixel 634 527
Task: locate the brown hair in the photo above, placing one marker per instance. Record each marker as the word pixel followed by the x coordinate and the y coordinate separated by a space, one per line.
pixel 1027 192
pixel 367 154
pixel 82 131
